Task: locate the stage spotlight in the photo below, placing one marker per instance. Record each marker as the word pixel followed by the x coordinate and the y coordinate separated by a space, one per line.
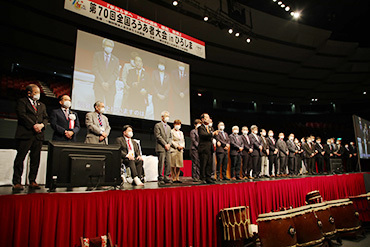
pixel 283 5
pixel 205 18
pixel 364 93
pixel 175 3
pixel 274 0
pixel 295 15
pixel 287 8
pixel 237 34
pixel 231 31
pixel 199 94
pixel 280 2
pixel 248 40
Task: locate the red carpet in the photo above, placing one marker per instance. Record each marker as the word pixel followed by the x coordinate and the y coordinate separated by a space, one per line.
pixel 183 216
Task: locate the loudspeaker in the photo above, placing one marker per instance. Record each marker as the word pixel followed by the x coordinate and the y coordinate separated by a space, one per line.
pixel 336 166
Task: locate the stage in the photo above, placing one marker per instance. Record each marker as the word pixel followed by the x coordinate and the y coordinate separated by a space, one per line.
pixel 178 215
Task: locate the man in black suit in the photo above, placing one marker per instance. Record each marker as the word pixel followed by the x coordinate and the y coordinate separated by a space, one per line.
pixel 319 155
pixel 180 86
pixel 257 149
pixel 246 153
pixel 32 120
pixel 131 155
pixel 105 67
pixel 328 149
pixel 293 150
pixel 236 148
pixel 347 158
pixel 354 159
pixel 195 163
pixel 205 148
pixel 283 155
pixel 64 122
pixel 160 88
pixel 309 152
pixel 222 150
pixel 272 154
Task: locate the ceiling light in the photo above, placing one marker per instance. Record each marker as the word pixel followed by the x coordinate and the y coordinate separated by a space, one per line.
pixel 199 94
pixel 283 5
pixel 205 18
pixel 248 40
pixel 296 15
pixel 274 0
pixel 364 92
pixel 175 3
pixel 231 31
pixel 237 34
pixel 280 2
pixel 287 8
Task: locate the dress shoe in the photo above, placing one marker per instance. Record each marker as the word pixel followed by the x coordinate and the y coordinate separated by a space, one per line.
pixel 161 182
pixel 18 187
pixel 167 181
pixel 233 178
pixel 240 178
pixel 137 182
pixel 196 180
pixel 226 179
pixel 34 186
pixel 210 181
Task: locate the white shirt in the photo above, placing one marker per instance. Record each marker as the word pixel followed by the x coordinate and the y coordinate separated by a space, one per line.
pixel 161 77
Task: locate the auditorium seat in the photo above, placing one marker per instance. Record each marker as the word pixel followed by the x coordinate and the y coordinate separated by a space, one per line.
pixel 100 241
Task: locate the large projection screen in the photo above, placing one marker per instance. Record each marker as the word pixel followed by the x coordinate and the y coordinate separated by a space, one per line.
pixel 362 131
pixel 131 82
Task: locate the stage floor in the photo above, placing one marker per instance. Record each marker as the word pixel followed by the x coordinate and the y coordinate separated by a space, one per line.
pixel 180 215
pixel 186 182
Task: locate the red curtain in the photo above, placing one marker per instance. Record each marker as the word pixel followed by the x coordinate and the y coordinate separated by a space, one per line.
pixel 183 216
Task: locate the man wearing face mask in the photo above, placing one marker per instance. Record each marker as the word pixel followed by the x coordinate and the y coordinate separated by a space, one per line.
pixel 236 148
pixel 283 155
pixel 264 154
pixel 292 157
pixel 354 159
pixel 64 121
pixel 222 151
pixel 105 67
pixel 163 136
pixel 246 154
pixel 32 120
pixel 273 152
pixel 257 150
pixel 319 155
pixel 131 155
pixel 309 152
pixel 205 149
pixel 329 153
pixel 194 137
pixel 214 142
pixel 161 87
pixel 97 125
pixel 180 86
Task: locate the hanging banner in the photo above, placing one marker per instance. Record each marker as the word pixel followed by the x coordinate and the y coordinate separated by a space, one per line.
pixel 125 20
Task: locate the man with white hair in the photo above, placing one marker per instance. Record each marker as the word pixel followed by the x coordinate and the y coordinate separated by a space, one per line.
pixel 163 136
pixel 105 67
pixel 257 150
pixel 236 148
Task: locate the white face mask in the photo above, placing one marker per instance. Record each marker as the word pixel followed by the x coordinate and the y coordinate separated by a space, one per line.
pixel 178 127
pixel 318 142
pixel 281 137
pixel 166 119
pixel 222 127
pixel 291 138
pixel 210 124
pixel 245 132
pixel 132 61
pixel 255 132
pixel 130 134
pixel 161 67
pixel 271 135
pixel 102 110
pixel 236 131
pixel 108 49
pixel 263 134
pixel 296 142
pixel 67 104
pixel 36 97
pixel 182 68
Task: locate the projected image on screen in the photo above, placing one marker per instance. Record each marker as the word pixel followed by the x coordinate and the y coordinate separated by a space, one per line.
pixel 362 131
pixel 131 82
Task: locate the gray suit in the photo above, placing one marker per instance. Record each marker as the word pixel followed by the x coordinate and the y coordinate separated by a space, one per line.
pixel 163 137
pixel 94 129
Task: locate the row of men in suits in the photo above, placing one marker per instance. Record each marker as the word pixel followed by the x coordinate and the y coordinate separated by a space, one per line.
pixel 251 153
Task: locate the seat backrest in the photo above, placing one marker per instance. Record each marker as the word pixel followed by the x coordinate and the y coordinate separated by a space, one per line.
pixel 101 241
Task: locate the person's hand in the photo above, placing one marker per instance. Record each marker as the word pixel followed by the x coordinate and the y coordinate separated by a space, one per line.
pixel 322 153
pixel 104 134
pixel 139 158
pixel 215 132
pixel 267 152
pixel 241 149
pixel 331 154
pixel 105 86
pixel 250 150
pixel 69 134
pixel 101 138
pixel 38 127
pixel 182 95
pixel 226 148
pixel 180 148
pixel 218 144
pixel 160 96
pixel 143 91
pixel 167 147
pixel 276 151
pixel 260 147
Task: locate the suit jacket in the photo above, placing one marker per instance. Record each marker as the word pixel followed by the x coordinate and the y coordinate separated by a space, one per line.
pixel 292 148
pixel 256 142
pixel 60 124
pixel 282 147
pixel 320 148
pixel 236 143
pixel 205 139
pixel 308 151
pixel 265 146
pixel 163 136
pixel 180 85
pixel 124 148
pixel 177 140
pixel 28 117
pixel 327 150
pixel 159 88
pixel 102 72
pixel 94 130
pixel 194 137
pixel 247 144
pixel 272 145
pixel 224 139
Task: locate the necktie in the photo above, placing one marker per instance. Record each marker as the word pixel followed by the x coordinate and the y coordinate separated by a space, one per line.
pixel 207 129
pixel 129 145
pixel 66 114
pixel 273 141
pixel 138 76
pixel 223 134
pixel 100 122
pixel 34 105
pixel 106 60
pixel 248 139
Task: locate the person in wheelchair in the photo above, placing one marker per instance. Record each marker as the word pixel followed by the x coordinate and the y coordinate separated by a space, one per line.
pixel 131 155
